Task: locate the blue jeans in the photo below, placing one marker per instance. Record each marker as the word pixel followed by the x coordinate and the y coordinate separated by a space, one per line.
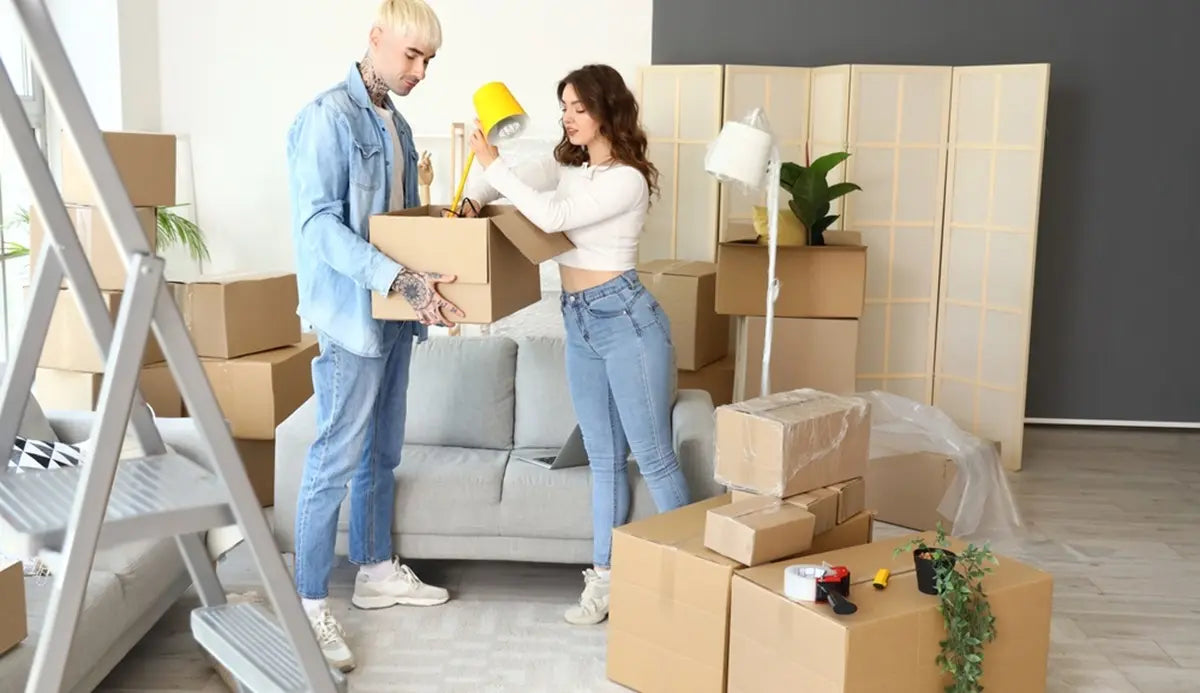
pixel 621 373
pixel 361 407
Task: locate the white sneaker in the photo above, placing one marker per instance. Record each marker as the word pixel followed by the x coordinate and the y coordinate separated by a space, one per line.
pixel 402 587
pixel 593 603
pixel 332 639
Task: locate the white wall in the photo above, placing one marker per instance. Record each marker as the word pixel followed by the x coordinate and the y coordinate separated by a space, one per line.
pixel 234 73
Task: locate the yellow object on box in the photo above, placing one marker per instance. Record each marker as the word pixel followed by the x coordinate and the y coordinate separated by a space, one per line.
pixel 500 117
pixel 791 231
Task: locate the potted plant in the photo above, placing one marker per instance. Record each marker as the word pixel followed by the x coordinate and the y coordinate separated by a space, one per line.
pixel 173 230
pixel 957 581
pixel 811 193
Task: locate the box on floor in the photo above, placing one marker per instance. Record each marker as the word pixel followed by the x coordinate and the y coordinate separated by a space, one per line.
pixel 97 240
pixel 69 343
pixel 13 619
pixel 258 457
pixel 236 314
pixel 686 290
pixel 906 490
pixel 669 603
pixel 494 258
pixel 891 642
pixel 79 391
pixel 820 354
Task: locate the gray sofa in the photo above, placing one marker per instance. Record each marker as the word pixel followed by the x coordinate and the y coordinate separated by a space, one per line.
pixel 471 402
pixel 130 586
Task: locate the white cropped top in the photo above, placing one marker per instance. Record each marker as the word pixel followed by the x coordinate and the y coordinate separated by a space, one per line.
pixel 601 209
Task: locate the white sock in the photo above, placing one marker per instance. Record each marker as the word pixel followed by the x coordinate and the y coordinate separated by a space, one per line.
pixel 604 573
pixel 312 607
pixel 377 571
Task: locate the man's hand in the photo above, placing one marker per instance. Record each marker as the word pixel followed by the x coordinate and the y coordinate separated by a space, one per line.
pixel 420 290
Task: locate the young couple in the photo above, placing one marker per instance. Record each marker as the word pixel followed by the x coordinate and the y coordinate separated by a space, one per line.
pixel 351 155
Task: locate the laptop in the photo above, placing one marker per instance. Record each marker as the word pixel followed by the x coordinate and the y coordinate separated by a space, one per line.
pixel 571 454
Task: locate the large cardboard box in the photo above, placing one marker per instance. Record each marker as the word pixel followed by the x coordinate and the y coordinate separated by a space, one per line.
pixel 13 619
pixel 806 353
pixel 96 237
pixel 686 291
pixel 78 391
pixel 669 600
pixel 852 498
pixel 231 315
pixel 69 344
pixel 758 530
pixel 258 457
pixel 716 379
pixel 906 490
pixel 891 643
pixel 814 281
pixel 258 391
pixel 821 503
pixel 145 163
pixel 494 258
pixel 791 442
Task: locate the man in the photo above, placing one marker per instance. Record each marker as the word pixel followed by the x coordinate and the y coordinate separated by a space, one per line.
pixel 351 155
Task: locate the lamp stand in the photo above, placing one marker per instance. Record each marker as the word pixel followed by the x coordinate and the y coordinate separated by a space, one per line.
pixel 774 165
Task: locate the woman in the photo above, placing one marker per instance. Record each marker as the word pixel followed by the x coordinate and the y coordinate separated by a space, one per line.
pixel 619 357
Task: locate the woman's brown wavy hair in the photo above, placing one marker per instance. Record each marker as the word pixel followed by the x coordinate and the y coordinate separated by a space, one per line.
pixel 609 101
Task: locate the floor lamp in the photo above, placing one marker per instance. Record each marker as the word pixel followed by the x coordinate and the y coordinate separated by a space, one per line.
pixel 745 154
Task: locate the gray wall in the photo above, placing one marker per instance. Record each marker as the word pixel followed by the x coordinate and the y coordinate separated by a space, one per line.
pixel 1116 330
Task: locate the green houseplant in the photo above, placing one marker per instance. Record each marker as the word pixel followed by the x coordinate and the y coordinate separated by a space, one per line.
pixel 811 193
pixel 966 613
pixel 173 230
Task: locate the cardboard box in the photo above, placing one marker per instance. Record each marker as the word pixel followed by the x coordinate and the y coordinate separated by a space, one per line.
pixel 13 619
pixel 145 163
pixel 258 391
pixel 686 291
pixel 806 353
pixel 258 457
pixel 758 530
pixel 669 600
pixel 494 258
pixel 906 490
pixel 821 503
pixel 69 344
pixel 77 391
pixel 231 315
pixel 815 281
pixel 716 379
pixel 791 442
pixel 891 643
pixel 851 498
pixel 96 237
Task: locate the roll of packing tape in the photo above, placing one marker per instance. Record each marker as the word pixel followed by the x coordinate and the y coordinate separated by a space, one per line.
pixel 800 582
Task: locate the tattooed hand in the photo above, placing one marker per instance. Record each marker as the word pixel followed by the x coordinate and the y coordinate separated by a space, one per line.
pixel 420 290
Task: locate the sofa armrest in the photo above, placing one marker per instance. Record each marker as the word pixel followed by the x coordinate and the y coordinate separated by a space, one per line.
pixel 692 424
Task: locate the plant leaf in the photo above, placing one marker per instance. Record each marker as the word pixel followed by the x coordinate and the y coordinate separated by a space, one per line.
pixel 838 189
pixel 788 173
pixel 824 164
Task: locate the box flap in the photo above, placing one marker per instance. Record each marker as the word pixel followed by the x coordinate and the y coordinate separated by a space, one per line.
pixel 308 341
pixel 678 268
pixel 239 276
pixel 536 245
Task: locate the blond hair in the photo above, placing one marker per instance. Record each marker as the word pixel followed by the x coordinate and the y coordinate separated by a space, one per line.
pixel 412 18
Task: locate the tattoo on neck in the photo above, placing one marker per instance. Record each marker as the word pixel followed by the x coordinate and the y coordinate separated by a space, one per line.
pixel 377 89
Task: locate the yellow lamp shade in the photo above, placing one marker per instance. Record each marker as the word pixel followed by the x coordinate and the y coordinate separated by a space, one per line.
pixel 501 117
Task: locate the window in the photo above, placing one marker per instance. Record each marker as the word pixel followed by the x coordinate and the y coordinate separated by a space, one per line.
pixel 15 195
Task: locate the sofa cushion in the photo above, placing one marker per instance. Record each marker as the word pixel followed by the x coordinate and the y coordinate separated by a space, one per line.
pixel 460 392
pixel 544 412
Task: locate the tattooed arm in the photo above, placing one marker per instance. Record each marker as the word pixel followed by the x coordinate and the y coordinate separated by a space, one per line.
pixel 420 290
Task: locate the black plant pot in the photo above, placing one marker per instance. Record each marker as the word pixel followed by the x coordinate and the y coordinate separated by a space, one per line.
pixel 927 568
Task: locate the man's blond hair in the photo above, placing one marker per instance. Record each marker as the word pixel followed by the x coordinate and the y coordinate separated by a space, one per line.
pixel 412 18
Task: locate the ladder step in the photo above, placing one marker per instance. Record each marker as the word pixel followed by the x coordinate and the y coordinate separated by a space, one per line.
pixel 152 497
pixel 248 641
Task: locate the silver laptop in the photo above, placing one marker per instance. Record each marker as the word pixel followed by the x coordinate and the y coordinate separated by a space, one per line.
pixel 571 454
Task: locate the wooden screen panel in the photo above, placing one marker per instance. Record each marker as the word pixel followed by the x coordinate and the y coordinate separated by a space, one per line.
pixel 829 123
pixel 681 111
pixel 997 134
pixel 898 131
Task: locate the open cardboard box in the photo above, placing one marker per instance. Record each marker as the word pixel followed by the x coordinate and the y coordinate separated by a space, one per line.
pixel 494 257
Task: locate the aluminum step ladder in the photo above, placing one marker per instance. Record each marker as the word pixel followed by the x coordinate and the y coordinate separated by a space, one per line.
pixel 106 501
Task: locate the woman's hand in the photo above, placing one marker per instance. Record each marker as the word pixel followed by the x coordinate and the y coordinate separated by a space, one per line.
pixel 485 153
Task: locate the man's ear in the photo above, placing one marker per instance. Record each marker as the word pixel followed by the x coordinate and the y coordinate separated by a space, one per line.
pixel 375 36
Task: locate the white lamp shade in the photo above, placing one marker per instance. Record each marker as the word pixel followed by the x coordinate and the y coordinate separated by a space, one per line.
pixel 739 154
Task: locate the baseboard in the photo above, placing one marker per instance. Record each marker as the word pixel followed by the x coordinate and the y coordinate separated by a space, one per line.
pixel 1103 423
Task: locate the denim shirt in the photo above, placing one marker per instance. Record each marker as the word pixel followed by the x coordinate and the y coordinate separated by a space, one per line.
pixel 340 169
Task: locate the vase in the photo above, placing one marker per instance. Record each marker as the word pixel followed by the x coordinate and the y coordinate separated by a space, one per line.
pixel 927 568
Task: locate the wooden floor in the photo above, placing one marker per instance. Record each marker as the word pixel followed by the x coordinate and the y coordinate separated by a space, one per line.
pixel 1112 514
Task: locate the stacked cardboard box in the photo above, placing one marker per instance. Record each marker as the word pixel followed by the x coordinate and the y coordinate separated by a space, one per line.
pixel 247 333
pixel 686 291
pixel 13 619
pixel 821 297
pixel 70 368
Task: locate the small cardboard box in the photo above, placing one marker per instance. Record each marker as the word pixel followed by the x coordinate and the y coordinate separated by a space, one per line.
pixel 258 391
pixel 13 619
pixel 815 281
pixel 821 503
pixel 69 344
pixel 808 353
pixel 96 237
pixel 791 442
pixel 716 379
pixel 235 314
pixel 851 498
pixel 494 258
pixel 687 293
pixel 78 391
pixel 669 601
pixel 906 490
pixel 759 530
pixel 258 457
pixel 891 642
pixel 145 162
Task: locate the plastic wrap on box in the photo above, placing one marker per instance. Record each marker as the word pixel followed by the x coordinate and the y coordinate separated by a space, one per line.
pixel 978 501
pixel 791 442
